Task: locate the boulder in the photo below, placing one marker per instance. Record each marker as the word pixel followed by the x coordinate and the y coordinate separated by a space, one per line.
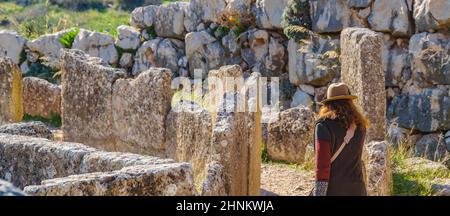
pixel 290 134
pixel 430 59
pixel 139 110
pixel 128 38
pixel 330 16
pixel 426 111
pixel 7 189
pixel 188 136
pixel 49 47
pixel 392 16
pixel 431 15
pixel 204 52
pixel 87 86
pixel 431 146
pixel 169 22
pixel 97 44
pixel 378 169
pixel 441 187
pixel 208 10
pixel 30 129
pixel 41 98
pixel 158 53
pixel 11 45
pixel 269 13
pixel 395 59
pixel 144 17
pixel 11 99
pixel 307 64
pixel 301 98
pixel 362 70
pixel 126 60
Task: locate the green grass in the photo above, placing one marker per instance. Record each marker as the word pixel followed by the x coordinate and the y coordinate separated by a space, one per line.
pixel 54 120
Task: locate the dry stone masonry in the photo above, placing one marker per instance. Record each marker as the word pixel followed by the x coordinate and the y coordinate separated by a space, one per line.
pixel 11 100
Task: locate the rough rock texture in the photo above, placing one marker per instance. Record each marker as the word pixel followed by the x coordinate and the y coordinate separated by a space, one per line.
pixel 305 59
pixel 426 111
pixel 158 53
pixel 395 59
pixel 236 142
pixel 417 164
pixel 208 10
pixel 430 59
pixel 269 13
pixel 7 189
pixel 11 45
pixel 139 110
pixel 432 147
pixel 87 99
pixel 204 53
pixel 83 170
pixel 41 98
pixel 363 72
pixel 31 129
pixel 169 20
pixel 378 169
pixel 431 14
pixel 188 136
pixel 97 45
pixel 11 99
pixel 144 17
pixel 330 16
pixel 214 183
pixel 49 47
pixel 157 180
pixel 441 187
pixel 128 38
pixel 391 16
pixel 290 134
pixel 301 98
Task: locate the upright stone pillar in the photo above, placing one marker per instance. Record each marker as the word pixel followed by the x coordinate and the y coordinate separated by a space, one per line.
pixel 362 70
pixel 11 102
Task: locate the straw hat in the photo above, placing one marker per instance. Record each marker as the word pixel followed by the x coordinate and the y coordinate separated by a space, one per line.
pixel 338 91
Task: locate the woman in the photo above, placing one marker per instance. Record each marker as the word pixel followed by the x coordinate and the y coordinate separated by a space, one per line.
pixel 339 169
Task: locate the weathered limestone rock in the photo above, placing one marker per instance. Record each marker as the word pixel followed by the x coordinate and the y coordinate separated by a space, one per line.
pixel 304 62
pixel 431 14
pixel 97 44
pixel 128 38
pixel 188 136
pixel 432 147
pixel 236 140
pixel 7 189
pixel 430 57
pixel 49 47
pixel 87 99
pixel 359 3
pixel 204 52
pixel 301 98
pixel 269 13
pixel 391 16
pixel 214 183
pixel 330 16
pixel 395 60
pixel 139 110
pixel 11 100
pixel 425 112
pixel 378 169
pixel 158 53
pixel 144 17
pixel 363 72
pixel 11 45
pixel 441 187
pixel 156 180
pixel 41 98
pixel 126 60
pixel 31 129
pixel 290 134
pixel 169 20
pixel 208 10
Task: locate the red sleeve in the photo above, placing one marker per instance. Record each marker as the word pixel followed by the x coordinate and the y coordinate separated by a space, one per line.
pixel 323 152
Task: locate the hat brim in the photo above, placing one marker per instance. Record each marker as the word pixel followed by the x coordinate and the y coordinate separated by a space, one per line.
pixel 342 97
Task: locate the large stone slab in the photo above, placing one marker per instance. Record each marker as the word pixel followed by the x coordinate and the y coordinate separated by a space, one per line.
pixel 41 98
pixel 11 45
pixel 32 129
pixel 431 15
pixel 290 134
pixel 11 100
pixel 169 20
pixel 139 110
pixel 156 180
pixel 97 44
pixel 269 13
pixel 87 99
pixel 391 16
pixel 362 70
pixel 330 16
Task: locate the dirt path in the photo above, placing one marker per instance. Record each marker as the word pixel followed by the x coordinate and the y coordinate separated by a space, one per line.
pixel 285 180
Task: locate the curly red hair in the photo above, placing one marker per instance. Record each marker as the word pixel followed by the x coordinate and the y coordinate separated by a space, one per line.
pixel 345 111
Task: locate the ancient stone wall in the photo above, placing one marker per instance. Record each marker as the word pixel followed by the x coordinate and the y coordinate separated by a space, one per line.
pixel 44 167
pixel 11 101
